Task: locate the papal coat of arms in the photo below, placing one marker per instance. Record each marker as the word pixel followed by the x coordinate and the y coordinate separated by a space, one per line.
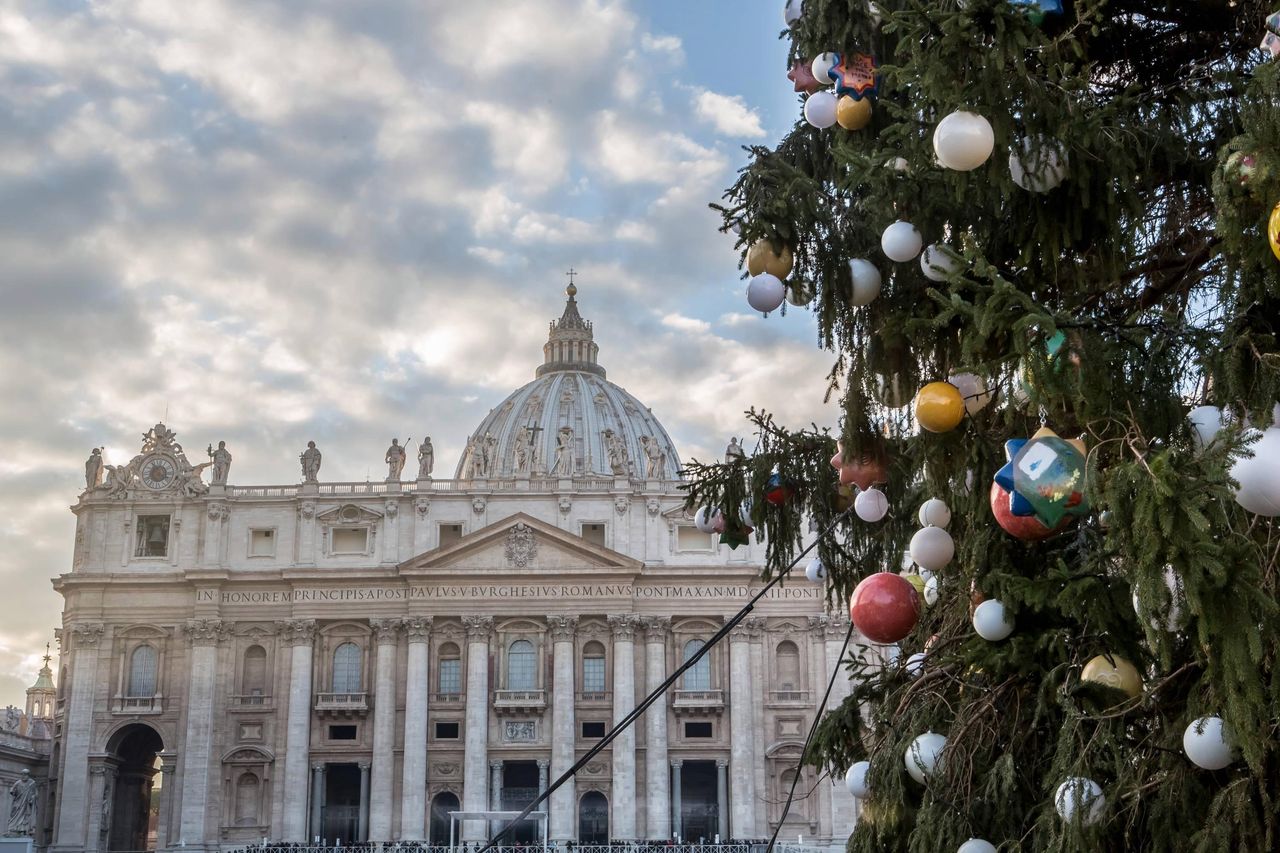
pixel 521 546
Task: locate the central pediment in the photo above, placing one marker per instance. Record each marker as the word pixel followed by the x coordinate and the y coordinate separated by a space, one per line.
pixel 521 544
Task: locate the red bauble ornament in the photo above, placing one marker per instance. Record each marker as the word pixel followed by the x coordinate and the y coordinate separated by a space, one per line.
pixel 884 607
pixel 864 471
pixel 777 491
pixel 1028 528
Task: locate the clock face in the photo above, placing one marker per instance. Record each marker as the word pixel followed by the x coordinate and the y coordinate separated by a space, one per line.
pixel 158 472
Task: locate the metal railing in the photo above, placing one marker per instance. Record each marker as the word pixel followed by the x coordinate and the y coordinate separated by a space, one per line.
pixel 570 847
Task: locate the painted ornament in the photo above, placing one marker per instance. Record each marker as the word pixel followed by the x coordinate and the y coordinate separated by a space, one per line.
pixel 801 76
pixel 884 607
pixel 855 75
pixel 853 113
pixel 939 407
pixel 1028 528
pixel 1045 477
pixel 776 490
pixel 863 471
pixel 762 257
pixel 1113 671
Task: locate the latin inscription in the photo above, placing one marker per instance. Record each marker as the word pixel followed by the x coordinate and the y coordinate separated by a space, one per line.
pixel 500 591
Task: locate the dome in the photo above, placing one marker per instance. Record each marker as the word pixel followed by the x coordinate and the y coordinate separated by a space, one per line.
pixel 570 420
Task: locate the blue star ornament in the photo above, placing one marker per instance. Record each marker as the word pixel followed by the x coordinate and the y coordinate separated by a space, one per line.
pixel 1018 505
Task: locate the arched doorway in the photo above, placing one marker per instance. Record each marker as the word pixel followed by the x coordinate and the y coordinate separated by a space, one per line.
pixel 441 805
pixel 135 749
pixel 593 818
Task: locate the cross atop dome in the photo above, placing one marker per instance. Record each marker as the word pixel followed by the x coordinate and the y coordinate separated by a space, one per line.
pixel 570 343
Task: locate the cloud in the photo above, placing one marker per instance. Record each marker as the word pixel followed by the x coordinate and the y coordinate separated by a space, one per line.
pixel 728 114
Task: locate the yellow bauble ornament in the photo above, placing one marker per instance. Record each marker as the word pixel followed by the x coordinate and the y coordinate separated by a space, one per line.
pixel 939 407
pixel 853 113
pixel 761 258
pixel 1115 672
pixel 915 580
pixel 1273 231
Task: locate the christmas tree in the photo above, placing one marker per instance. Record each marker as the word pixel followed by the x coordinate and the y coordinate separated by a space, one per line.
pixel 1080 366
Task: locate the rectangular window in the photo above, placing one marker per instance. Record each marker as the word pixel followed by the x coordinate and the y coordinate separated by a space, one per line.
pixel 593 675
pixel 592 730
pixel 446 731
pixel 342 732
pixel 690 538
pixel 697 730
pixel 262 543
pixel 450 676
pixel 153 536
pixel 350 540
pixel 593 532
pixel 450 534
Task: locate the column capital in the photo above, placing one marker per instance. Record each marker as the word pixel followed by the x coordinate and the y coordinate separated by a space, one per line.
pixel 624 625
pixel 317 768
pixel 478 627
pixel 297 632
pixel 831 626
pixel 656 628
pixel 86 634
pixel 364 766
pixel 676 763
pixel 740 632
pixel 755 626
pixel 543 764
pixel 562 628
pixel 385 631
pixel 206 632
pixel 495 763
pixel 722 763
pixel 417 628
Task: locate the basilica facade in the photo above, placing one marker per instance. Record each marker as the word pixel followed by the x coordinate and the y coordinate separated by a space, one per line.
pixel 357 661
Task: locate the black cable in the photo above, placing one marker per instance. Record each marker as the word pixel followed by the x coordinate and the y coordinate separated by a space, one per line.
pixel 808 741
pixel 660 689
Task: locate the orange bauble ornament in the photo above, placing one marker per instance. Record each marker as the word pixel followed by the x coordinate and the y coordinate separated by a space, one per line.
pixel 939 407
pixel 762 258
pixel 853 113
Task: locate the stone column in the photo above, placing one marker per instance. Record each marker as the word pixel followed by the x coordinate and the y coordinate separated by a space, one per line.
pixel 205 634
pixel 722 798
pixel 495 794
pixel 563 799
pixel 475 795
pixel 755 629
pixel 676 803
pixel 413 793
pixel 362 820
pixel 70 834
pixel 101 792
pixel 164 820
pixel 317 799
pixel 622 801
pixel 741 737
pixel 844 808
pixel 300 634
pixel 381 781
pixel 543 766
pixel 657 775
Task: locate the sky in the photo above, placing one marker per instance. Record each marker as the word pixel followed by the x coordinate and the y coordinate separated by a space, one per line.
pixel 274 221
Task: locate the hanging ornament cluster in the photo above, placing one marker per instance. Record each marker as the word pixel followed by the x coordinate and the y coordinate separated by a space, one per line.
pixel 1044 477
pixel 1259 474
pixel 923 756
pixel 884 607
pixel 855 82
pixel 963 141
pixel 1080 800
pixel 939 407
pixel 1205 743
pixel 768 266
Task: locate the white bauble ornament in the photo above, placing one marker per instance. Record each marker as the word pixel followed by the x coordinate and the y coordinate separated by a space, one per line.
pixel 1080 800
pixel 1259 475
pixel 855 779
pixel 866 281
pixel 973 389
pixel 934 513
pixel 1172 620
pixel 765 292
pixel 1206 744
pixel 1206 423
pixel 976 845
pixel 792 11
pixel 898 164
pixel 915 665
pixel 871 505
pixel 932 548
pixel 922 755
pixel 939 262
pixel 963 141
pixel 991 621
pixel 815 572
pixel 820 109
pixel 821 68
pixel 931 591
pixel 705 519
pixel 799 293
pixel 874 11
pixel 1038 165
pixel 901 241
